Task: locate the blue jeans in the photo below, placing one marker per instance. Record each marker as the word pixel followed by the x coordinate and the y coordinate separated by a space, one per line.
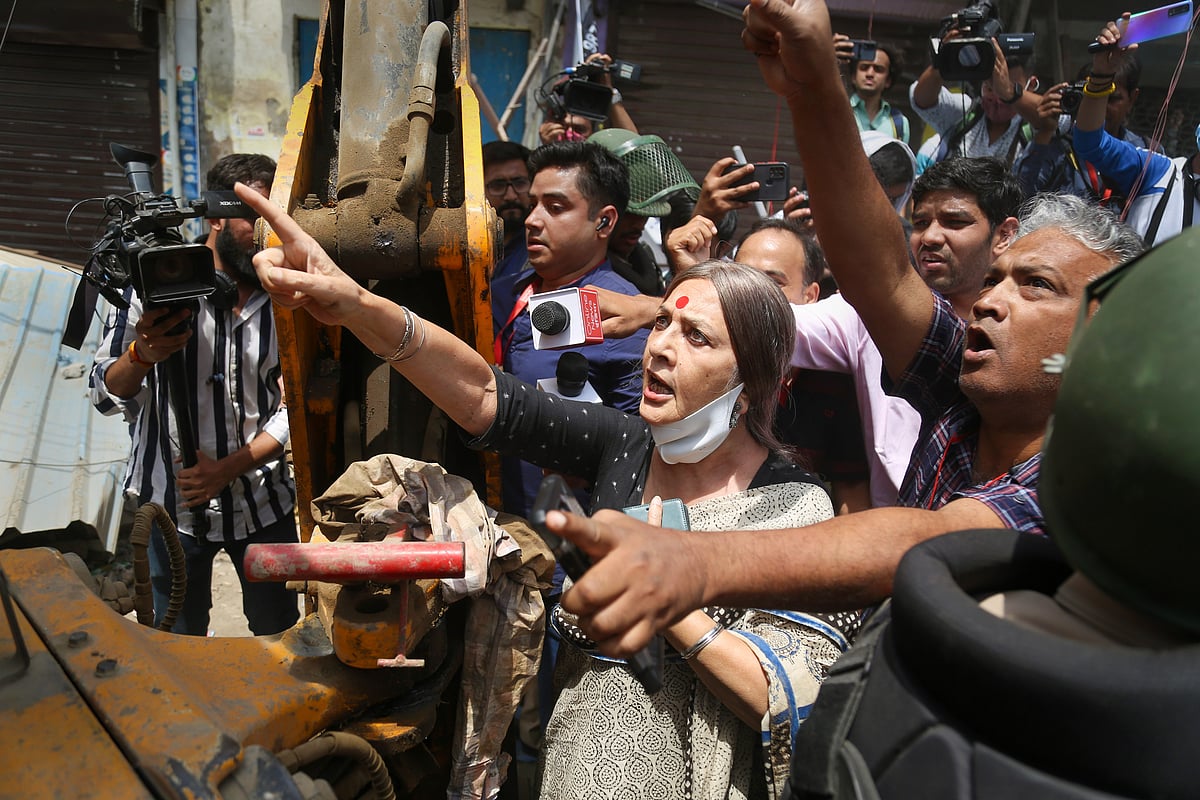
pixel 269 607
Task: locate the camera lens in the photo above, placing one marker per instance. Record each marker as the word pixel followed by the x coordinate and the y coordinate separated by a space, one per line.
pixel 969 57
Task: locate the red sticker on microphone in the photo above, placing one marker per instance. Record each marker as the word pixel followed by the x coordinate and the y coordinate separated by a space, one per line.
pixel 682 301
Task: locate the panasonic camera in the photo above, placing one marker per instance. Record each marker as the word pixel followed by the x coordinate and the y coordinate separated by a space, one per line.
pixel 142 245
pixel 583 93
pixel 970 56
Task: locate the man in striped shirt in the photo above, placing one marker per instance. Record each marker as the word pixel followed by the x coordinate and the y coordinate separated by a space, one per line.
pixel 238 490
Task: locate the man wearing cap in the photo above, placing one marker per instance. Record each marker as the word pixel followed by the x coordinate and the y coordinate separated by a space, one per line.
pixel 579 192
pixel 656 176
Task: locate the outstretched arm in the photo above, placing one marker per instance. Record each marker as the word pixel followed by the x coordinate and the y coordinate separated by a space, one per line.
pixel 300 274
pixel 855 221
pixel 645 578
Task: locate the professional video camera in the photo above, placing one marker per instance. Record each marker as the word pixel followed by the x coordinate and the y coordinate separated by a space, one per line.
pixel 970 57
pixel 582 93
pixel 142 244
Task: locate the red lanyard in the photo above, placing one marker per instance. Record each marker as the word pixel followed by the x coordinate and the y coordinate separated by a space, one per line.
pixel 937 475
pixel 501 344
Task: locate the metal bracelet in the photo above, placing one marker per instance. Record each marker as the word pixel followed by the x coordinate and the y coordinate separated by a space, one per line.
pixel 703 642
pixel 405 356
pixel 404 340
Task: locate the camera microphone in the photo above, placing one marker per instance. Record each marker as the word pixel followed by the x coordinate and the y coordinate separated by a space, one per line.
pixel 571 373
pixel 550 318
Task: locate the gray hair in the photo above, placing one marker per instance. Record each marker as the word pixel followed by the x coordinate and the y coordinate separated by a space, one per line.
pixel 1096 228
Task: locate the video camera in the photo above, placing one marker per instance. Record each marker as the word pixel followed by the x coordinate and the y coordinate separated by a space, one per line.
pixel 582 93
pixel 142 245
pixel 970 57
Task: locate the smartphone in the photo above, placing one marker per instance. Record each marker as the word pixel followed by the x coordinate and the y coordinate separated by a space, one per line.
pixel 674 514
pixel 554 495
pixel 774 181
pixel 864 50
pixel 1153 24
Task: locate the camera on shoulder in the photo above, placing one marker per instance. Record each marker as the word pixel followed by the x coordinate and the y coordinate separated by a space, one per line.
pixel 970 56
pixel 583 93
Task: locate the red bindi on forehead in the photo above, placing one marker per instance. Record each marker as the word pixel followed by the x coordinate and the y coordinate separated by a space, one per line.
pixel 682 301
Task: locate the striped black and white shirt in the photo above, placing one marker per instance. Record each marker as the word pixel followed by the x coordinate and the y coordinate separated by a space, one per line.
pixel 236 394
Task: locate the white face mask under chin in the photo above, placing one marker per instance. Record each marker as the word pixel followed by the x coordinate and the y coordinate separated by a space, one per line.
pixel 694 437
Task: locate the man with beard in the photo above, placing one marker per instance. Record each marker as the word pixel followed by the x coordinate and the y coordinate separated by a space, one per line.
pixel 506 183
pixel 990 126
pixel 983 389
pixel 869 79
pixel 238 491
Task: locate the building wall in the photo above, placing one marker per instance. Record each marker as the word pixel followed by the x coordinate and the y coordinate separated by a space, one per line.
pixel 248 73
pixel 248 66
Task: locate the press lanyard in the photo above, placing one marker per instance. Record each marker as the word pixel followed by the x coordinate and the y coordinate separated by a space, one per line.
pixel 501 343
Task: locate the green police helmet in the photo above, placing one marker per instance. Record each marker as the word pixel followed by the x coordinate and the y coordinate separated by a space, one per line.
pixel 654 171
pixel 1120 477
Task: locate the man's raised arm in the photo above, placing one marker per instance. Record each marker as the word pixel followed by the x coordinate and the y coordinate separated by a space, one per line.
pixel 857 225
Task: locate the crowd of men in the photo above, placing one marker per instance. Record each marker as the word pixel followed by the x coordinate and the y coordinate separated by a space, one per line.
pixel 930 294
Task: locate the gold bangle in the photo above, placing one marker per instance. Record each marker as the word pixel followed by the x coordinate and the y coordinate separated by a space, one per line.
pixel 135 358
pixel 1089 92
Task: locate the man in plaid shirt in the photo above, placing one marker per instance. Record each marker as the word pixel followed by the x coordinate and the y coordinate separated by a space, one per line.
pixel 981 387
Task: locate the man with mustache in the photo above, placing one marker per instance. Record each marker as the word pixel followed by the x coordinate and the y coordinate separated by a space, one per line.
pixel 579 192
pixel 982 389
pixel 239 490
pixel 506 184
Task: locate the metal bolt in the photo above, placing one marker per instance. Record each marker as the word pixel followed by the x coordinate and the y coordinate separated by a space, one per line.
pixel 106 667
pixel 77 639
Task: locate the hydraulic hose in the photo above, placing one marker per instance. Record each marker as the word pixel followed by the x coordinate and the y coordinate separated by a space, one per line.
pixel 139 539
pixel 347 745
pixel 421 108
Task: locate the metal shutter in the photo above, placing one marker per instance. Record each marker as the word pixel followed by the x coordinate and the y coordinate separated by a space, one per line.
pixel 60 106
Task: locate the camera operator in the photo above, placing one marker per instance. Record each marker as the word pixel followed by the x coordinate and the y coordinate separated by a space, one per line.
pixel 989 126
pixel 869 79
pixel 240 480
pixel 568 127
pixel 1050 163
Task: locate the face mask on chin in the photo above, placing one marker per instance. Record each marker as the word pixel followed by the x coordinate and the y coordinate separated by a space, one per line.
pixel 697 435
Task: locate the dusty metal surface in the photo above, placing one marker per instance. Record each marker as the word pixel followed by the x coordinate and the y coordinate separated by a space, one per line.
pixel 179 709
pixel 354 562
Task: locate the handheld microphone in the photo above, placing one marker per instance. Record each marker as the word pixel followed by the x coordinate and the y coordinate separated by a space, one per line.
pixel 571 373
pixel 550 318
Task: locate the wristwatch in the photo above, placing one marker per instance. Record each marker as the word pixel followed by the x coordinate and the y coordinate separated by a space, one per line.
pixel 1018 90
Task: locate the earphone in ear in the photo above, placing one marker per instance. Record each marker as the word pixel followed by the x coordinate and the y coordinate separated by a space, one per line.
pixel 604 223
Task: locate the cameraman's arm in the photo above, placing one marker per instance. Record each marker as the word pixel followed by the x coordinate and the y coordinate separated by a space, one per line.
pixel 925 91
pixel 208 477
pixel 618 115
pixel 151 343
pixel 1002 84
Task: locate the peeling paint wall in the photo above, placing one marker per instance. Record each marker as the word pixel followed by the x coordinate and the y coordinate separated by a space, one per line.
pixel 248 69
pixel 248 73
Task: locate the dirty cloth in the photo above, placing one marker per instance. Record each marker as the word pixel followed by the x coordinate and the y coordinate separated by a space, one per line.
pixel 506 569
